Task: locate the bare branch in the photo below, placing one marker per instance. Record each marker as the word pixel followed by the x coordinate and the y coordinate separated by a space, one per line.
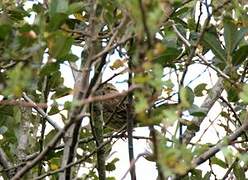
pixel 208 103
pixel 22 103
pixel 23 134
pixel 79 160
pixel 5 163
pixel 49 147
pixel 226 141
pixel 41 112
pixel 132 164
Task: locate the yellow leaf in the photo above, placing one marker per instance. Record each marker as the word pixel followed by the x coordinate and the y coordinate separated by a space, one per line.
pixel 54 167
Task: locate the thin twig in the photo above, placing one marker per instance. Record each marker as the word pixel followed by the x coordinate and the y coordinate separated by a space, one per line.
pixel 230 169
pixel 130 123
pixel 187 44
pixel 41 112
pixel 132 164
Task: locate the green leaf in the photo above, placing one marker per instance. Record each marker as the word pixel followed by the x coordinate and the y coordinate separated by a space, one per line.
pixel 18 13
pixel 50 136
pixel 76 7
pixel 55 81
pixel 59 44
pixel 49 68
pixel 181 12
pixel 200 149
pixel 232 35
pixel 213 42
pixel 197 111
pixel 110 166
pixel 174 160
pixel 232 94
pixel 168 56
pixel 198 91
pixel 215 160
pixel 186 97
pixel 53 154
pixel 239 171
pixel 69 57
pixel 229 34
pixel 239 36
pixel 19 79
pixel 207 176
pixel 141 104
pixel 5 31
pixel 61 92
pixel 244 94
pixel 240 55
pixel 169 84
pixel 54 109
pixel 67 105
pixel 58 6
pixel 157 75
pixel 17 114
pixel 56 21
pixel 196 174
pixel 6 110
pixel 110 178
pixel 170 115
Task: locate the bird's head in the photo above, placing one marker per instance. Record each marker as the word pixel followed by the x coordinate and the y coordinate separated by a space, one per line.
pixel 107 88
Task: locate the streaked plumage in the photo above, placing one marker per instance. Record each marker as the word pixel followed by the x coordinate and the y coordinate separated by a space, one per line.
pixel 114 110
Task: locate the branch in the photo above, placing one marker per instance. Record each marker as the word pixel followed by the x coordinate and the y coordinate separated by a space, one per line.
pixel 208 103
pixel 132 164
pixel 81 88
pixel 41 112
pixel 96 123
pixel 226 141
pixel 21 103
pixel 205 61
pixel 130 122
pixel 49 147
pixel 5 163
pixel 23 134
pixel 73 163
pixel 230 169
pixel 79 160
pixel 109 48
pixel 234 113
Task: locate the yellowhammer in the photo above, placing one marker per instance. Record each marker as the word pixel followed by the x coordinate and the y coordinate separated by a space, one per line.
pixel 114 110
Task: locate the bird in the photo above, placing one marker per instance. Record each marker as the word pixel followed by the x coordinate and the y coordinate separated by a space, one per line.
pixel 114 110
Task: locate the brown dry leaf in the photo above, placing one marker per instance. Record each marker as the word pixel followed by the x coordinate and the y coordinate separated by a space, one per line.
pixel 117 64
